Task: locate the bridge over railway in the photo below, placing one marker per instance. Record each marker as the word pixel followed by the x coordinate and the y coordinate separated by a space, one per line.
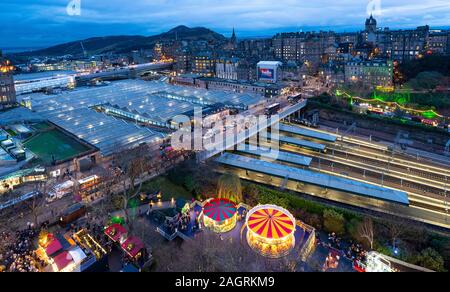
pixel 131 71
pixel 232 138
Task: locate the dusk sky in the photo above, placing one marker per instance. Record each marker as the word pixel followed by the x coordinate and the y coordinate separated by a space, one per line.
pixel 37 23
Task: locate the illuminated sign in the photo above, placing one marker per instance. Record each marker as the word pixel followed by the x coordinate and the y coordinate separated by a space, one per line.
pixel 266 73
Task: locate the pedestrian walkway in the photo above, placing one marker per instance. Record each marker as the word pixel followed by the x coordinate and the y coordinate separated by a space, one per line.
pixel 145 208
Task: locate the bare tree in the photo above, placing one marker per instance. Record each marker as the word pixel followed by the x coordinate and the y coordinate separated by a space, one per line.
pixel 209 252
pixel 396 227
pixel 133 164
pixel 366 231
pixel 109 180
pixel 37 204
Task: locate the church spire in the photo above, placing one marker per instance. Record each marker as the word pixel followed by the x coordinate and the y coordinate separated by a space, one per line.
pixel 233 39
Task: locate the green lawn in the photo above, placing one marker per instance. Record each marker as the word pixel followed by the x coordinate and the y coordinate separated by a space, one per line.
pixel 55 143
pixel 169 190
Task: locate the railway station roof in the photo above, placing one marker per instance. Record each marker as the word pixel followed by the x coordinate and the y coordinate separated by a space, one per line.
pixel 155 101
pixel 302 143
pixel 308 133
pixel 307 176
pixel 276 155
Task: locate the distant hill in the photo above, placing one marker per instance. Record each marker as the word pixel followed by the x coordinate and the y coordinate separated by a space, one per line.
pixel 124 44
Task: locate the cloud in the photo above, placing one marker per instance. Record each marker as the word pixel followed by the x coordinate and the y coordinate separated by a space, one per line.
pixel 23 20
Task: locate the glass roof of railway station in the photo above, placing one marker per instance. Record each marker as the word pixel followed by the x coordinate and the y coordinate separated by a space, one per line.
pixel 157 102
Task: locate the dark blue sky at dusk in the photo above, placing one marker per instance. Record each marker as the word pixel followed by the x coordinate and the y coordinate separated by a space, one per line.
pixel 39 23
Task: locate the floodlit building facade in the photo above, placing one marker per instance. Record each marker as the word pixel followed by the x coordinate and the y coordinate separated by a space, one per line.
pixel 7 90
pixel 370 73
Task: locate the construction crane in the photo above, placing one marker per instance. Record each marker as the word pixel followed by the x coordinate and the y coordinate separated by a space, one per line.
pixel 84 50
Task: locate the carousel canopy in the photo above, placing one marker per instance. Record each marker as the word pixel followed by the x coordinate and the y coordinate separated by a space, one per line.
pixel 271 222
pixel 219 209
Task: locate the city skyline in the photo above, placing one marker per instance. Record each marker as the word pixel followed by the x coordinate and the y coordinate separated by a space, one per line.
pixel 49 19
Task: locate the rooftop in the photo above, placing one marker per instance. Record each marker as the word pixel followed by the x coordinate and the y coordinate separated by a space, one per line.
pixel 307 176
pixel 270 63
pixel 156 102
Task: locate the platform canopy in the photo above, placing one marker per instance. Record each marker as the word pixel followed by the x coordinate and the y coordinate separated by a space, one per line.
pixel 219 209
pixel 271 222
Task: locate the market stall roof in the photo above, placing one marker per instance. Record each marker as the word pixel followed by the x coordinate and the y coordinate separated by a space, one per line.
pixel 77 254
pixel 271 222
pixel 63 260
pixel 130 268
pixel 219 209
pixel 53 247
pixel 115 231
pixel 132 246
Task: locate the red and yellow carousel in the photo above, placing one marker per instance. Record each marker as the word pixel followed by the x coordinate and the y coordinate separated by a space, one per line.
pixel 270 230
pixel 219 215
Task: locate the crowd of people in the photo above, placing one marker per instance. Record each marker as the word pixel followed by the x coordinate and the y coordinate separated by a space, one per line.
pixel 338 248
pixel 180 223
pixel 356 252
pixel 19 254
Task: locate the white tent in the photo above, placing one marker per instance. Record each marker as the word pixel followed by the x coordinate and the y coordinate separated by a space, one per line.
pixel 77 255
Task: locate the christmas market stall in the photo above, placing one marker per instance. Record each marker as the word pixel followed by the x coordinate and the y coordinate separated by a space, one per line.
pixel 133 247
pixel 116 232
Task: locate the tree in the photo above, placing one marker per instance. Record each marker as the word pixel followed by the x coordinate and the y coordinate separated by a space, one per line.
pixel 430 259
pixel 435 63
pixel 251 192
pixel 229 187
pixel 396 227
pixel 133 164
pixel 333 221
pixel 208 252
pixel 106 188
pixel 37 204
pixel 427 80
pixel 366 231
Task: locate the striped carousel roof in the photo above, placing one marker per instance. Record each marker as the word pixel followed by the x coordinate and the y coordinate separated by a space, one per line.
pixel 219 209
pixel 271 222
